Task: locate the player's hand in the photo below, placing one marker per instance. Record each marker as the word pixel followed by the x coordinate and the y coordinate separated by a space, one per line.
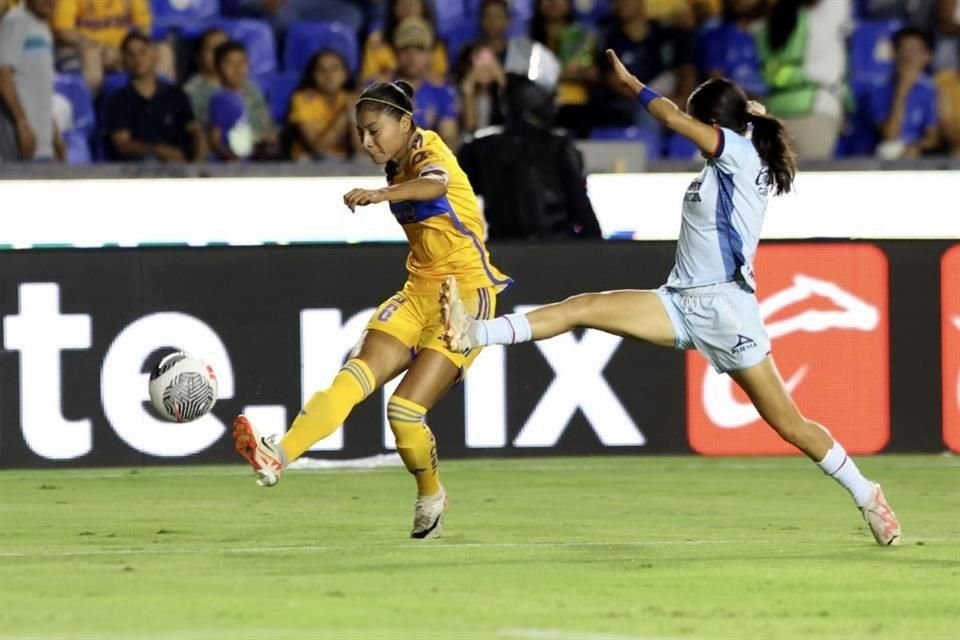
pixel 622 74
pixel 362 197
pixel 755 108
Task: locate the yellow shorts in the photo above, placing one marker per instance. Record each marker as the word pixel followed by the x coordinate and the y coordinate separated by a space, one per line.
pixel 416 321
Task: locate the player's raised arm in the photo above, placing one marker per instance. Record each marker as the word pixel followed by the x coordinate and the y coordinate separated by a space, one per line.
pixel 703 135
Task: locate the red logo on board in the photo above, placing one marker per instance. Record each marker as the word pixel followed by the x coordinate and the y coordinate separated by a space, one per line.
pixel 950 305
pixel 825 309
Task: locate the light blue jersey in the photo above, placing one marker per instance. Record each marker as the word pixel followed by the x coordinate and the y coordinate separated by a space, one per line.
pixel 723 213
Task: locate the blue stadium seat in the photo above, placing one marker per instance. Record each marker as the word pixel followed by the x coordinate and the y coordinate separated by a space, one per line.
pixel 679 148
pixel 592 11
pixel 871 52
pixel 457 39
pixel 451 15
pixel 622 133
pixel 74 89
pixel 306 38
pixel 258 37
pixel 279 93
pixel 179 14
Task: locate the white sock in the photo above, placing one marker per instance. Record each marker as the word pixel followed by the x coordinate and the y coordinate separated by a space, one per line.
pixel 509 329
pixel 841 467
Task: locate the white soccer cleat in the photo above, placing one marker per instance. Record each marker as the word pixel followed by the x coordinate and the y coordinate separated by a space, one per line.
pixel 458 324
pixel 881 519
pixel 428 515
pixel 263 454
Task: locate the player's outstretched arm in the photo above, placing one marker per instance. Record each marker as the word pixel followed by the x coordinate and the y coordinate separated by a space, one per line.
pixel 426 188
pixel 703 135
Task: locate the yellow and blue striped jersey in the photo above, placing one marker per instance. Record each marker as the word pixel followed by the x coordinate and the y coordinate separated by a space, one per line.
pixel 445 234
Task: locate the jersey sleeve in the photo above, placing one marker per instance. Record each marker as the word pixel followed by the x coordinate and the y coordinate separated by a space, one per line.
pixel 428 162
pixel 732 150
pixel 65 15
pixel 11 42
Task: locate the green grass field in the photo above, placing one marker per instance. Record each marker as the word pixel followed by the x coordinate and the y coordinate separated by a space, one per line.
pixel 618 548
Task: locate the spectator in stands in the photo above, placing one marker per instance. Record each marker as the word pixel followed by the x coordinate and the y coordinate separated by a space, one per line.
pixel 240 125
pixel 727 48
pixel 435 103
pixel 804 55
pixel 480 75
pixel 657 54
pixel 574 45
pixel 948 98
pixel 494 29
pixel 205 82
pixel 480 86
pixel 27 130
pixel 529 174
pixel 150 119
pixel 379 52
pixel 89 35
pixel 905 110
pixel 320 110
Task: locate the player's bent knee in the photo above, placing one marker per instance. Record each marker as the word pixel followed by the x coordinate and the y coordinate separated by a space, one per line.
pixel 403 415
pixel 580 307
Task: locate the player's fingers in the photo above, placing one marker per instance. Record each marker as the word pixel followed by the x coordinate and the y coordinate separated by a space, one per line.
pixel 615 61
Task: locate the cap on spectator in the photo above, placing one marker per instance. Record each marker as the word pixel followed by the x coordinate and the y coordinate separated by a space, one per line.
pixel 413 32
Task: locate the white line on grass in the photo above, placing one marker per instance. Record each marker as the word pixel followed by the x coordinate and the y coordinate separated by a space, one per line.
pixel 431 546
pixel 558 634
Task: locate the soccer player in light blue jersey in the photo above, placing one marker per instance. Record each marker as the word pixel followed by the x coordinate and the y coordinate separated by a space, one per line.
pixel 709 301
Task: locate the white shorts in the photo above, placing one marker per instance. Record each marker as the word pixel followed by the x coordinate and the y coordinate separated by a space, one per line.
pixel 721 321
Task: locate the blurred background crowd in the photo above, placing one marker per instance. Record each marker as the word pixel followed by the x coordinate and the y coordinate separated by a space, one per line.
pixel 195 80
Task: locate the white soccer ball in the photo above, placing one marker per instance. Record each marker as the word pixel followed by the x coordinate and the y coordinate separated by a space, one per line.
pixel 183 388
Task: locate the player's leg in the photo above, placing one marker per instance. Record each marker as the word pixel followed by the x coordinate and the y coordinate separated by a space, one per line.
pixel 629 313
pixel 764 386
pixel 427 380
pixel 382 353
pixel 377 359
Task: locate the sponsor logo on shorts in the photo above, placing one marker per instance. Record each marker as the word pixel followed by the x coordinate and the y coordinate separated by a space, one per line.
pixel 743 344
pixel 950 339
pixel 825 310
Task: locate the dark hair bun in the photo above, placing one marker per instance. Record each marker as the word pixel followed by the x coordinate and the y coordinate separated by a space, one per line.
pixel 406 87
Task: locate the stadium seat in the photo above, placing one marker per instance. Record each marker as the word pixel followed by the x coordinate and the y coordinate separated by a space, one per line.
pixel 451 15
pixel 258 37
pixel 457 39
pixel 871 52
pixel 74 89
pixel 622 133
pixel 306 38
pixel 179 14
pixel 679 148
pixel 592 11
pixel 279 92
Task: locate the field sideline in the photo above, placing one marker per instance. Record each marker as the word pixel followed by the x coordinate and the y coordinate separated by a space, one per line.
pixel 615 548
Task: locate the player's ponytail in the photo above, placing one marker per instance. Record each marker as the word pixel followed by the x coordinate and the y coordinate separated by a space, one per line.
pixel 770 140
pixel 393 98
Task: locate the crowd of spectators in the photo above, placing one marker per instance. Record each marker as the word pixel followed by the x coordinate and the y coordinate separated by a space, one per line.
pixel 848 77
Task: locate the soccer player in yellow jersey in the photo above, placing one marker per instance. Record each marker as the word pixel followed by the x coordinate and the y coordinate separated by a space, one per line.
pixel 432 199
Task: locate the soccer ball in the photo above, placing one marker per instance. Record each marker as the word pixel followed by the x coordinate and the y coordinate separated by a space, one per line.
pixel 182 388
